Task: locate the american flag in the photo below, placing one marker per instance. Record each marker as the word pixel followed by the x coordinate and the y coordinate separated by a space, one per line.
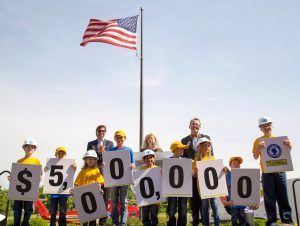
pixel 118 32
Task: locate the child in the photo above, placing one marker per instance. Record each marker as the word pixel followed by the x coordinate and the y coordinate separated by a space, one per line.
pixel 89 174
pixel 204 154
pixel 120 192
pixel 150 212
pixel 237 212
pixel 181 202
pixel 274 184
pixel 59 199
pixel 29 147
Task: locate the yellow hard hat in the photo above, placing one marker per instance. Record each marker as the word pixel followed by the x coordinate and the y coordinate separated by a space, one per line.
pixel 120 133
pixel 178 145
pixel 61 148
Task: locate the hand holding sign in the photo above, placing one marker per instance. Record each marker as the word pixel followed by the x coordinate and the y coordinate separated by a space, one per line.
pixel 116 169
pixel 89 202
pixel 211 179
pixel 147 186
pixel 245 186
pixel 276 156
pixel 177 177
pixel 59 176
pixel 25 181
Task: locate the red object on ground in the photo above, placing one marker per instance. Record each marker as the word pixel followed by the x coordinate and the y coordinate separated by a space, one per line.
pixel 72 216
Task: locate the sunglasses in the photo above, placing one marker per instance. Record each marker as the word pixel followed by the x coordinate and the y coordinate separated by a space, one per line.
pixel 100 130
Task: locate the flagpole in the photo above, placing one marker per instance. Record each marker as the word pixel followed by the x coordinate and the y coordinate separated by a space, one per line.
pixel 141 83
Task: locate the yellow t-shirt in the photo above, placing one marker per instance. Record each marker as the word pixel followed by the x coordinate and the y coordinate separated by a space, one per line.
pixel 205 158
pixel 255 145
pixel 89 176
pixel 144 167
pixel 30 160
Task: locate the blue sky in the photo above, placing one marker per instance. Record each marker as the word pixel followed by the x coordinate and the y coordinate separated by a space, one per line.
pixel 226 62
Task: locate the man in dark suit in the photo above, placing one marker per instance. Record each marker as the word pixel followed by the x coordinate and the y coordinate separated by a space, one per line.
pixel 192 141
pixel 101 145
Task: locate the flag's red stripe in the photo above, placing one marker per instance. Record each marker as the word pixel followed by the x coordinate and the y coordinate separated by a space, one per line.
pixel 109 42
pixel 116 30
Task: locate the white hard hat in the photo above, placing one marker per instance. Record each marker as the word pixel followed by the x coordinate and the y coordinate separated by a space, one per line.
pixel 30 141
pixel 264 120
pixel 202 140
pixel 148 152
pixel 90 153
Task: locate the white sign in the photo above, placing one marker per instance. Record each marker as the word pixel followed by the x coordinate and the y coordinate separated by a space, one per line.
pixel 177 177
pixel 245 186
pixel 59 177
pixel 276 156
pixel 147 186
pixel 116 170
pixel 211 179
pixel 25 182
pixel 89 202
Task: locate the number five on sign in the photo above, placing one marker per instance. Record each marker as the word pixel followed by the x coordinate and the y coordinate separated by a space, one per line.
pixel 59 177
pixel 211 179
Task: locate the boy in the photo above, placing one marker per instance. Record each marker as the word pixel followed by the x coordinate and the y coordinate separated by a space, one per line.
pixel 274 184
pixel 150 212
pixel 237 212
pixel 177 202
pixel 29 147
pixel 60 200
pixel 120 192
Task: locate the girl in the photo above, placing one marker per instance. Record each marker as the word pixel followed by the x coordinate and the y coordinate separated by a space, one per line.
pixel 204 154
pixel 89 174
pixel 151 142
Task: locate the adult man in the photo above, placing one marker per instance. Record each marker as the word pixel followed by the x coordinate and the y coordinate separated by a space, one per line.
pixel 192 141
pixel 101 145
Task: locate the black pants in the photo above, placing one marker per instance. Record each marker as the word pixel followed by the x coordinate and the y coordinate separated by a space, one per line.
pixel 173 204
pixel 196 204
pixel 28 209
pixel 62 203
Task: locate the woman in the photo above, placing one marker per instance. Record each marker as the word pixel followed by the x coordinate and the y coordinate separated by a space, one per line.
pixel 151 143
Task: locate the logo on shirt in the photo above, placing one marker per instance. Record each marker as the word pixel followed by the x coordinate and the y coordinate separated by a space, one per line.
pixel 274 151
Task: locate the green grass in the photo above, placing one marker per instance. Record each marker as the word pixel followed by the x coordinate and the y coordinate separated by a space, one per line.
pixel 34 221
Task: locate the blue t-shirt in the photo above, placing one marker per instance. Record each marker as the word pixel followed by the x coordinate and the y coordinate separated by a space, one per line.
pixel 56 196
pixel 124 149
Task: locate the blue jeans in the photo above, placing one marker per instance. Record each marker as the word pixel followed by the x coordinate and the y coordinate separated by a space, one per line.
pixel 238 216
pixel 173 204
pixel 116 194
pixel 205 211
pixel 28 209
pixel 102 221
pixel 62 203
pixel 275 189
pixel 149 214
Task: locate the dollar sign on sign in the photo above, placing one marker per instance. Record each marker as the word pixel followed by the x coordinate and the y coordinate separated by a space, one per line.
pixel 23 180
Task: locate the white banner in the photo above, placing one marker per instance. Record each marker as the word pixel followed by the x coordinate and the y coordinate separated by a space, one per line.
pixel 177 177
pixel 245 186
pixel 59 177
pixel 25 182
pixel 116 170
pixel 211 179
pixel 89 202
pixel 276 156
pixel 147 186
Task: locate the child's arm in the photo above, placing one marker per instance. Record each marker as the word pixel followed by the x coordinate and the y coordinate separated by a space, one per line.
pixel 257 149
pixel 74 166
pixel 225 201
